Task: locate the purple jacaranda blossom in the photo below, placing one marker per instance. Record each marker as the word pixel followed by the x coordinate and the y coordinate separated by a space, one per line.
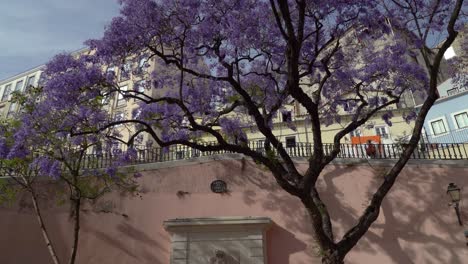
pixel 387 117
pixel 128 156
pixel 111 171
pixel 221 66
pixel 233 129
pixel 47 167
pixel 411 116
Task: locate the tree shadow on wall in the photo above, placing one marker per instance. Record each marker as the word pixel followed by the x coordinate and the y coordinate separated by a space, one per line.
pixel 411 217
pixel 142 243
pixel 286 241
pixel 251 179
pixel 258 187
pixel 411 225
pixel 54 210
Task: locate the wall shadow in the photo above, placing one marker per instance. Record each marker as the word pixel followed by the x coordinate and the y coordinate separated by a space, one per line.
pixel 412 226
pixel 125 234
pixel 280 238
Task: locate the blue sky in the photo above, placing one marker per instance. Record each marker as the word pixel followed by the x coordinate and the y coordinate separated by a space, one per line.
pixel 32 31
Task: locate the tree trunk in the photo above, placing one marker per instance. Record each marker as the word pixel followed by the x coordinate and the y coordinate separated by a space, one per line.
pixel 44 232
pixel 333 258
pixel 76 229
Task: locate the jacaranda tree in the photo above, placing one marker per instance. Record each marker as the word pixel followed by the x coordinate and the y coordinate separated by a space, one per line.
pixel 223 65
pixel 36 148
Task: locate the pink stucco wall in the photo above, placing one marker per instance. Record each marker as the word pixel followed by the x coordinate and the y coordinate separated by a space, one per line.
pixel 415 225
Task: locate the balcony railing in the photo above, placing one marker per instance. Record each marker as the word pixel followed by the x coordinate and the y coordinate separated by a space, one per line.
pixel 433 151
pixel 452 136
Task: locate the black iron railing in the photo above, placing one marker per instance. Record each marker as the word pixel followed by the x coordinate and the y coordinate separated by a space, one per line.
pixel 434 151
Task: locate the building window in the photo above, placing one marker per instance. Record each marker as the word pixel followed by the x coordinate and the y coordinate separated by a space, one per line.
pixel 461 119
pixel 116 148
pixel 125 71
pixel 438 126
pixel 180 155
pixel 140 86
pixel 6 93
pixel 136 113
pixel 42 79
pixel 138 140
pixel 406 100
pixel 30 81
pixel 347 105
pixel 110 72
pixel 105 100
pixel 142 65
pixel 452 91
pixel 149 143
pixel 355 133
pixel 12 109
pixel 122 95
pixel 19 86
pixel 290 142
pixel 97 150
pixel 286 116
pixel 382 131
pixel 119 116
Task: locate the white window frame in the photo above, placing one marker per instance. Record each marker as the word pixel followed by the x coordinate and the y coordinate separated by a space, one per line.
pixel 9 86
pixel 117 118
pixel 105 100
pixel 455 124
pixel 286 115
pixel 112 69
pixel 444 120
pixel 137 113
pixel 286 141
pixel 20 87
pixel 140 84
pixel 12 109
pixel 185 122
pixel 387 131
pixel 143 64
pixel 125 68
pixel 120 95
pixel 356 133
pixel 28 83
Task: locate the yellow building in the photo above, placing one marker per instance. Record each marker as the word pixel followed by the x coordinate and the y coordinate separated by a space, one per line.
pixel 375 126
pixel 120 107
pixel 18 83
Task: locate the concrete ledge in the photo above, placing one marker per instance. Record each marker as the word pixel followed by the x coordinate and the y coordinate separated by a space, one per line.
pixel 357 161
pixel 261 222
pixel 234 156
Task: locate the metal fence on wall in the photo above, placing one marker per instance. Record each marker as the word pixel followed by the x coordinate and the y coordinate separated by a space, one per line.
pixel 434 151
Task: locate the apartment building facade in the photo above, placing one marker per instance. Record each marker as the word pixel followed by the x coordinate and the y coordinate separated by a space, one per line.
pixel 120 107
pixel 135 75
pixel 447 121
pixel 17 83
pixel 116 104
